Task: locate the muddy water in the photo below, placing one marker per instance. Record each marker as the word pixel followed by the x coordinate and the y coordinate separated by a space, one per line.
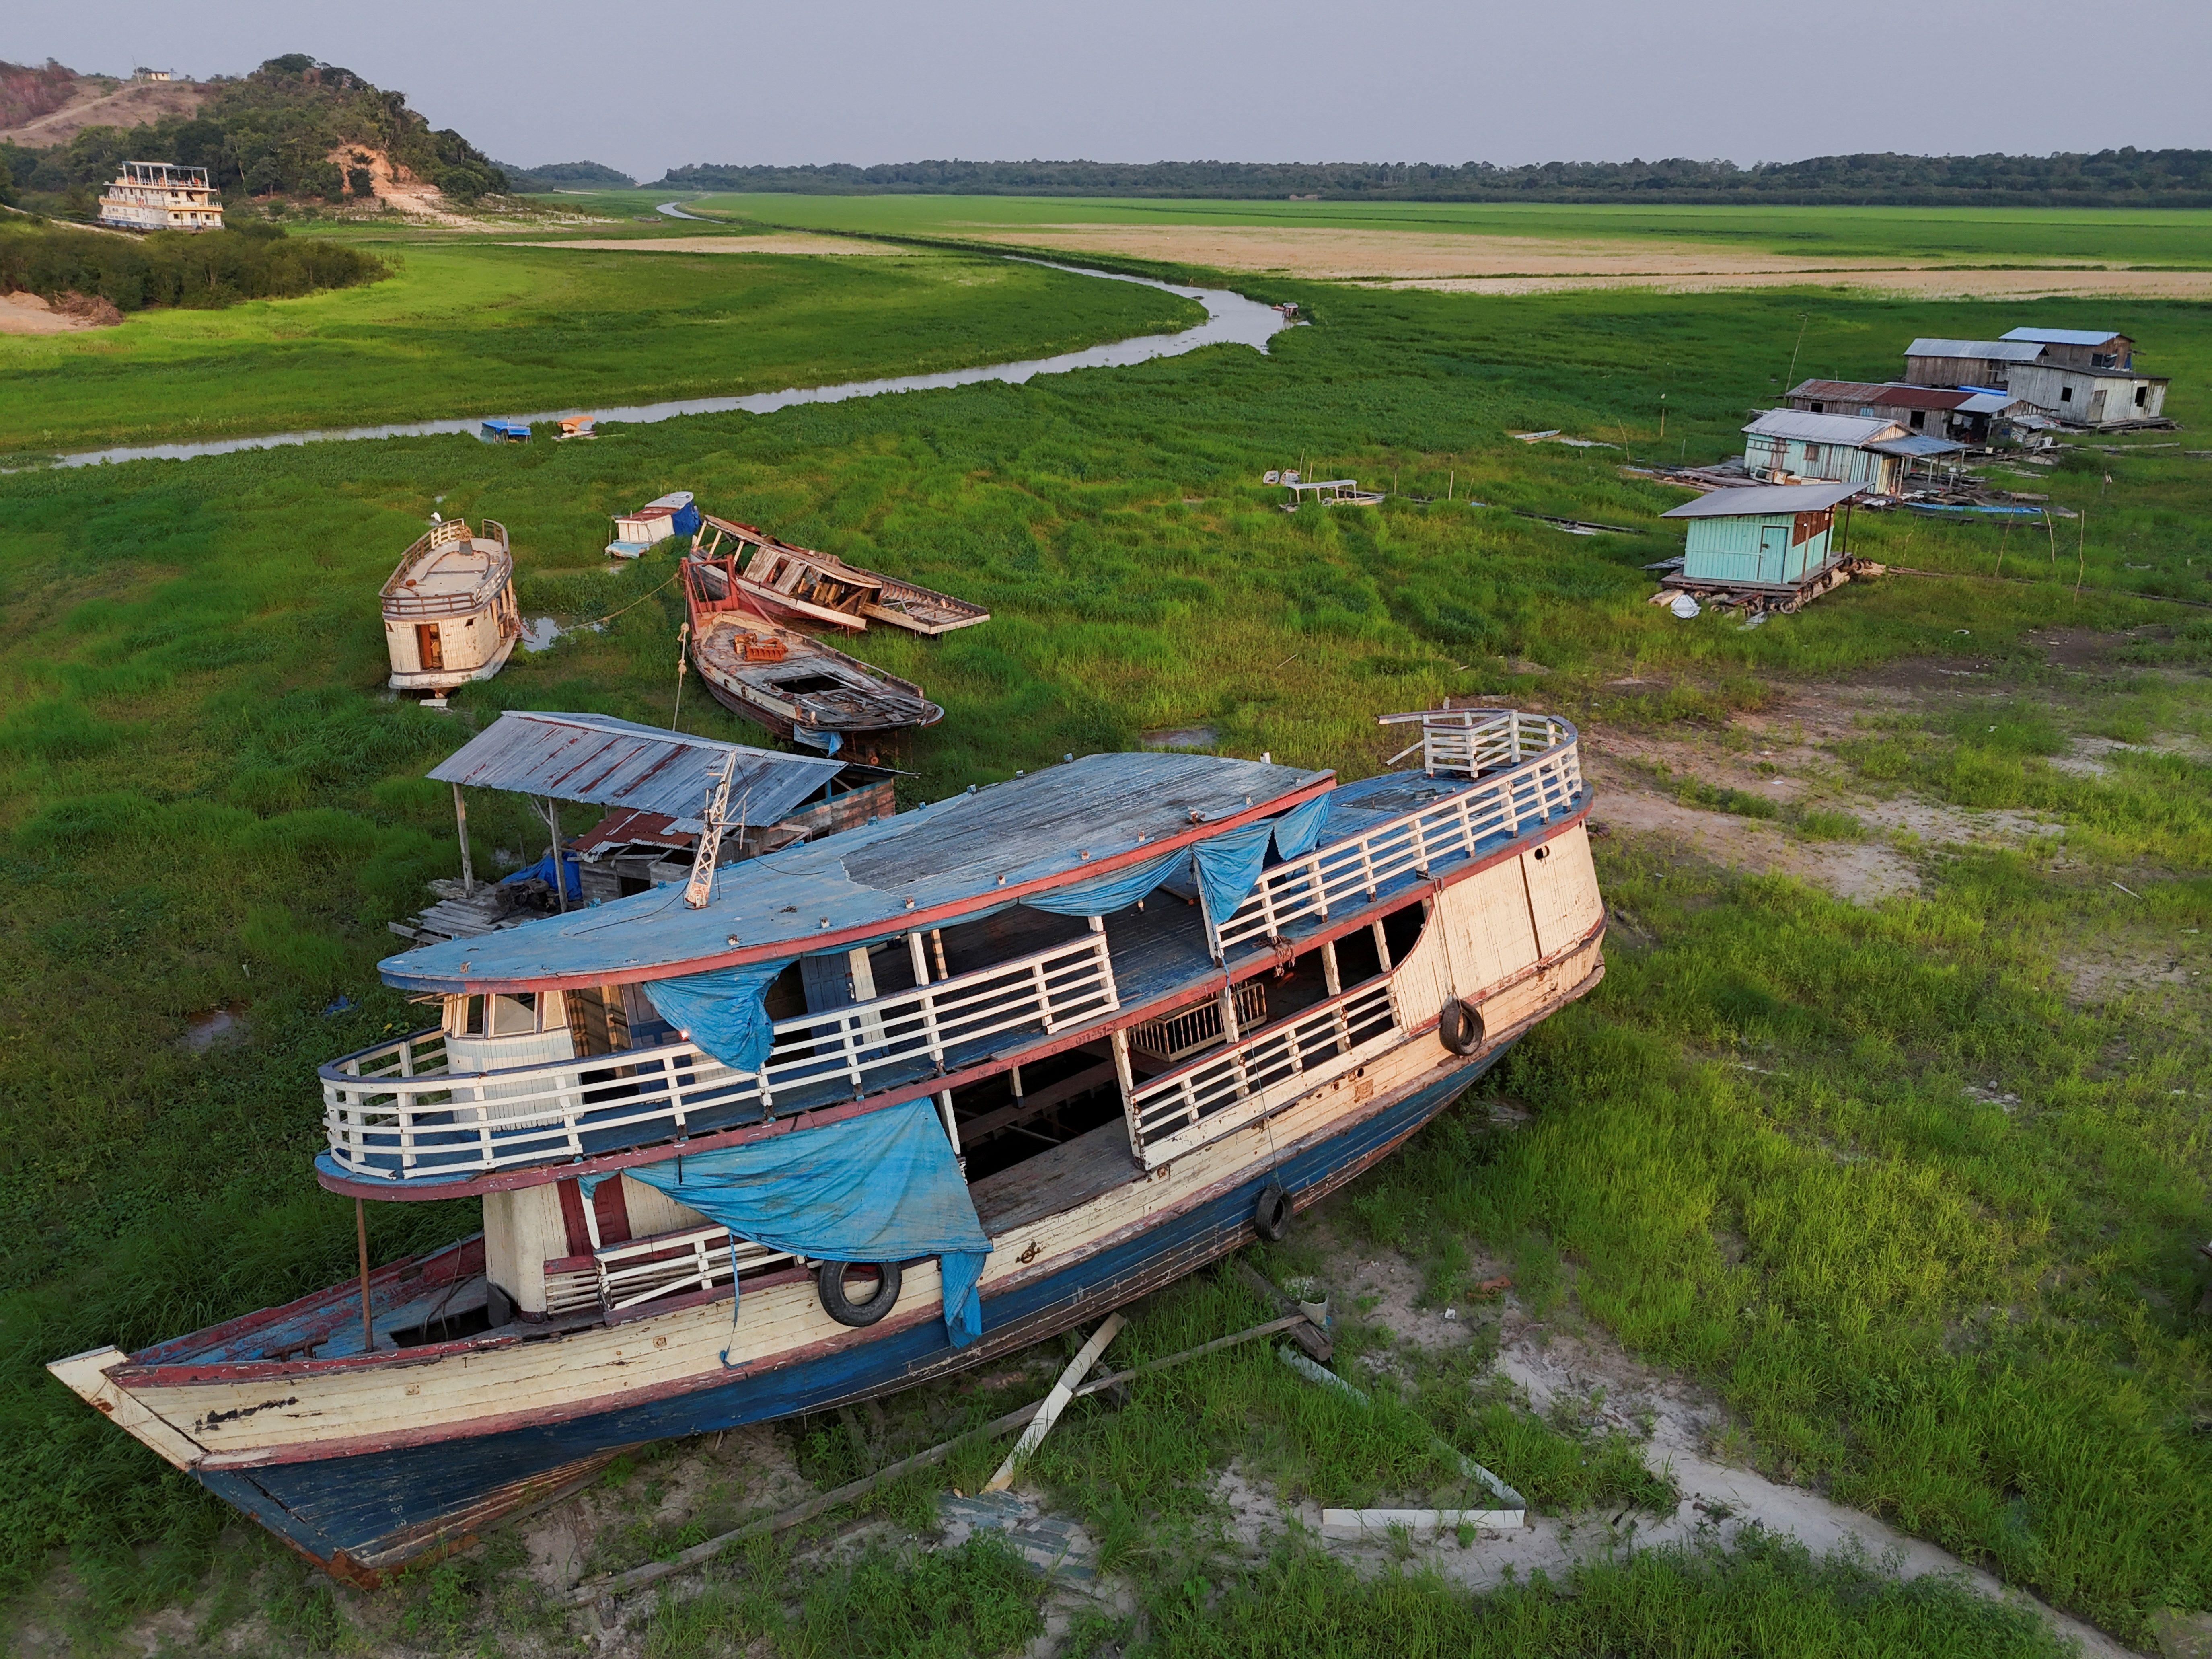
pixel 1230 319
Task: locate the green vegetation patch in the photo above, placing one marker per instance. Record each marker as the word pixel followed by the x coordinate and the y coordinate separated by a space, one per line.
pixel 204 270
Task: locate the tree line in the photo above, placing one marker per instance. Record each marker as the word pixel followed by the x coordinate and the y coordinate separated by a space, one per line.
pixel 2130 177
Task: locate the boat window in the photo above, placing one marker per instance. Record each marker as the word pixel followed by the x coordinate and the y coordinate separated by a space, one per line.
pixel 464 1016
pixel 515 1013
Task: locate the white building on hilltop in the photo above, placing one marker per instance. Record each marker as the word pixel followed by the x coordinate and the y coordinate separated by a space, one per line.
pixel 155 195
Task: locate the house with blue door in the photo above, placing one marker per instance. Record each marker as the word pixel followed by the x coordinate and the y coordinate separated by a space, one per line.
pixel 1780 536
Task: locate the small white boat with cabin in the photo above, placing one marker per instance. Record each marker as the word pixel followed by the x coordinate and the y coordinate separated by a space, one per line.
pixel 924 1092
pixel 449 609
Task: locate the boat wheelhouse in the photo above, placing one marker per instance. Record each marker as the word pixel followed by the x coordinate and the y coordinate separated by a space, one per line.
pixel 793 683
pixel 449 609
pixel 1002 1063
pixel 798 584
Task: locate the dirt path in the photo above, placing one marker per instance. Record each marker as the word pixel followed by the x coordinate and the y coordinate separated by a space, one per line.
pixel 30 313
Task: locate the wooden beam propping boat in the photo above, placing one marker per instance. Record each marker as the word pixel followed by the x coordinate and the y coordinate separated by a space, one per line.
pixel 797 584
pixel 791 683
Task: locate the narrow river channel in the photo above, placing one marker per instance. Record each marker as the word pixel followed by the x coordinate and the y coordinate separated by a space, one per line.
pixel 1230 319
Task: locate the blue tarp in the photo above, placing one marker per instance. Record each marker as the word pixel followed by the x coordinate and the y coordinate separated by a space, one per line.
pixel 543 869
pixel 721 1009
pixel 883 1187
pixel 686 519
pixel 1229 865
pixel 1108 894
pixel 1298 830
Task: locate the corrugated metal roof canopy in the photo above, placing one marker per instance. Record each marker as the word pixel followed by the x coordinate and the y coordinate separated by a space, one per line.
pixel 1864 390
pixel 612 762
pixel 2002 351
pixel 1809 427
pixel 972 852
pixel 1987 403
pixel 1918 444
pixel 1763 499
pixel 2086 337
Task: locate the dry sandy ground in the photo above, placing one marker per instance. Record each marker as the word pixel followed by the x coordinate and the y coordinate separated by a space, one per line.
pixel 30 313
pixel 789 242
pixel 1457 263
pixel 131 105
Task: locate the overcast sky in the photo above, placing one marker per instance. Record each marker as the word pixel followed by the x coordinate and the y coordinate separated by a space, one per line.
pixel 644 85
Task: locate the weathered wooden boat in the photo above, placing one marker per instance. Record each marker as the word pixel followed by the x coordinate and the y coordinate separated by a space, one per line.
pixel 798 584
pixel 1058 1086
pixel 789 682
pixel 449 609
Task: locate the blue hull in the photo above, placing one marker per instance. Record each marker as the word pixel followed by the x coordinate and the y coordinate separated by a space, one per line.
pixel 359 1514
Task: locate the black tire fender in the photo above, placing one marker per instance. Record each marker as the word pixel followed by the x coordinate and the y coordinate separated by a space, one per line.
pixel 1271 1212
pixel 830 1285
pixel 1459 1027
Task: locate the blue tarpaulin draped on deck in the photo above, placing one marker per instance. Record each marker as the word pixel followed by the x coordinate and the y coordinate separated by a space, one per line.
pixel 1108 894
pixel 721 1009
pixel 543 871
pixel 883 1187
pixel 1298 830
pixel 1229 865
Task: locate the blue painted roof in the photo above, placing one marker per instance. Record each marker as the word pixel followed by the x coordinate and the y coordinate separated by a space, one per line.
pixel 1052 829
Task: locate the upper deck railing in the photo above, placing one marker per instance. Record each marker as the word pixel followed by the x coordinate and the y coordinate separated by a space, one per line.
pixel 1542 778
pixel 399 602
pixel 397 1112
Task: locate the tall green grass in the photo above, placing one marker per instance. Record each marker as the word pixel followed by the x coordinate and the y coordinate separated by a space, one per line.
pixel 1977 1323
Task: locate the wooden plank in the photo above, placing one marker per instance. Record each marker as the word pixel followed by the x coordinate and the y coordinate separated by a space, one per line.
pixel 1307 1334
pixel 1056 1402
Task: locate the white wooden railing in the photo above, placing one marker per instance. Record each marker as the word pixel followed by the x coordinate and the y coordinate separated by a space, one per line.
pixel 1495 805
pixel 643 1270
pixel 1246 1080
pixel 1478 740
pixel 395 1111
pixel 1171 1036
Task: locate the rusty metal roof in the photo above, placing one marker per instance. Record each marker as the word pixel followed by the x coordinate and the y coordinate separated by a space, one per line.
pixel 612 762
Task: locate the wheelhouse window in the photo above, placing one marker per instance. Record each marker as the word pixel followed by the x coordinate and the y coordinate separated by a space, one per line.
pixel 508 1013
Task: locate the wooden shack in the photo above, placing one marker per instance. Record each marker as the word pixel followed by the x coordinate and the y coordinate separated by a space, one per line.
pixel 449 609
pixel 1777 541
pixel 2087 376
pixel 1988 364
pixel 1788 446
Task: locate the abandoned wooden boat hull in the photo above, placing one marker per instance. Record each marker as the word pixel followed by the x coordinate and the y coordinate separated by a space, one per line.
pixel 799 585
pixel 791 683
pixel 1410 946
pixel 450 615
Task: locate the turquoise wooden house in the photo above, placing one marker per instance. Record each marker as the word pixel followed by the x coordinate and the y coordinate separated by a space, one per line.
pixel 1767 536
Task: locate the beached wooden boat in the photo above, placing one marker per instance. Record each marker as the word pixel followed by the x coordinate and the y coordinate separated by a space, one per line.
pixel 798 584
pixel 1109 1085
pixel 791 683
pixel 449 609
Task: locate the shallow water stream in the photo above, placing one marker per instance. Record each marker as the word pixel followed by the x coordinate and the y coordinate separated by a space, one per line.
pixel 1230 319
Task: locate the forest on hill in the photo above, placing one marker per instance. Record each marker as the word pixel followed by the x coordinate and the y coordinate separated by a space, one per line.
pixel 2113 178
pixel 564 175
pixel 273 132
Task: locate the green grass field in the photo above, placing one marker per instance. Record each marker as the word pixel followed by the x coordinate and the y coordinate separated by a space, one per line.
pixel 1756 1156
pixel 480 328
pixel 1992 236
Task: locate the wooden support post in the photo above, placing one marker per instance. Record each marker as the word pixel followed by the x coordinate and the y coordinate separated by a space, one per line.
pixel 1056 1402
pixel 1382 943
pixel 461 828
pixel 937 950
pixel 919 962
pixel 952 1126
pixel 560 880
pixel 360 1243
pixel 1332 979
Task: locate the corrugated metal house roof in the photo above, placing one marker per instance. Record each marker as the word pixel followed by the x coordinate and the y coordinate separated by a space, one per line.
pixel 1841 391
pixel 1893 394
pixel 1808 427
pixel 1757 501
pixel 612 762
pixel 1996 351
pixel 1987 403
pixel 962 856
pixel 2080 337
